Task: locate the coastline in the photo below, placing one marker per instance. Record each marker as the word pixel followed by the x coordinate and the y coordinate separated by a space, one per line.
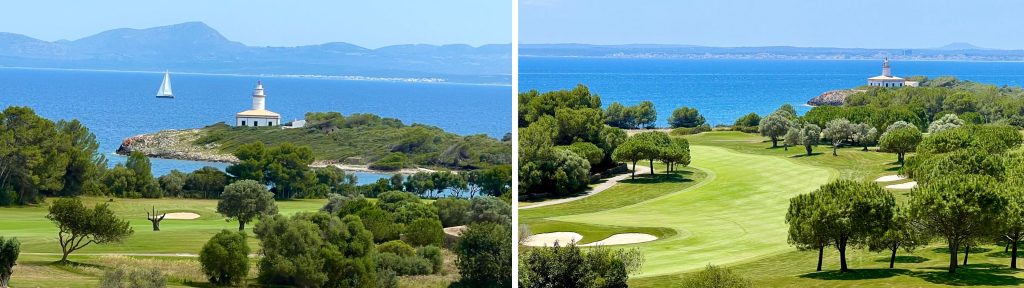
pixel 176 145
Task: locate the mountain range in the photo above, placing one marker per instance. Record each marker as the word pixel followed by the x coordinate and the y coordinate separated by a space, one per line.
pixel 196 47
pixel 953 51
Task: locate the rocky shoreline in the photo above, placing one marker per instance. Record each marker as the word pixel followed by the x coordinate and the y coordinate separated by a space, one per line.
pixel 180 145
pixel 832 98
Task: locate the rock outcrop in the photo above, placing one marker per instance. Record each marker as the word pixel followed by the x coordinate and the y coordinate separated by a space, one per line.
pixel 174 144
pixel 833 98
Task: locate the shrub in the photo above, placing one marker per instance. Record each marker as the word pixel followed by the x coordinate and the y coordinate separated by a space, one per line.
pixel 715 277
pixel 424 231
pixel 749 120
pixel 681 131
pixel 485 255
pixel 391 162
pixel 9 250
pixel 409 265
pixel 387 279
pixel 432 254
pixel 396 247
pixel 685 117
pixel 131 278
pixel 225 258
pixel 452 211
pixel 489 209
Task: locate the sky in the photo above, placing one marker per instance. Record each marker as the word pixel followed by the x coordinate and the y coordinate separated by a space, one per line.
pixel 370 24
pixel 802 23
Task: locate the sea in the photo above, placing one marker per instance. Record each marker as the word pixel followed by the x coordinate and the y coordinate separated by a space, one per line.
pixel 724 90
pixel 116 105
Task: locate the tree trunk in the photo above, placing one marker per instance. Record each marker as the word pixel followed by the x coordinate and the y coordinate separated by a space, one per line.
pixel 865 148
pixel 892 260
pixel 821 251
pixel 899 158
pixel 64 259
pixel 652 167
pixel 156 224
pixel 809 149
pixel 785 147
pixel 841 245
pixel 967 252
pixel 634 171
pixel 241 225
pixel 834 148
pixel 1013 256
pixel 775 142
pixel 952 256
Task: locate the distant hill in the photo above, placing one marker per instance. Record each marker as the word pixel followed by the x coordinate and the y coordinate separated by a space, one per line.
pixel 196 47
pixel 954 51
pixel 960 46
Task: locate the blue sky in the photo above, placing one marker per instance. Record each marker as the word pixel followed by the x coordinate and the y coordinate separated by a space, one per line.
pixel 912 24
pixel 370 24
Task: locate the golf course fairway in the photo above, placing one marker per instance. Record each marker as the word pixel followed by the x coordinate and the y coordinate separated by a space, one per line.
pixel 735 214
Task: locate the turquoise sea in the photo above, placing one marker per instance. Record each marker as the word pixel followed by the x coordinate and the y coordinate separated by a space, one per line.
pixel 116 105
pixel 724 90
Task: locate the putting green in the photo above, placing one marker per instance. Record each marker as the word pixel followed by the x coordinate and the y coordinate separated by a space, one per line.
pixel 736 214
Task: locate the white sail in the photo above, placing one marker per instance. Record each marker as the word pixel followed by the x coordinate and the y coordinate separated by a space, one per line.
pixel 165 87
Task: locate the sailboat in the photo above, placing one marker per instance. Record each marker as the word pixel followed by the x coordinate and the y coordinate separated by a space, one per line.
pixel 165 87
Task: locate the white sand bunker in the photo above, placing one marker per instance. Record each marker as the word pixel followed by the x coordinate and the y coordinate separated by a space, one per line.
pixel 903 186
pixel 624 238
pixel 182 216
pixel 890 178
pixel 455 230
pixel 549 239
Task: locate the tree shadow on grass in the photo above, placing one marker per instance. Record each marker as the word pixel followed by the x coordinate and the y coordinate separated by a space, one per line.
pixel 855 274
pixel 944 250
pixel 801 155
pixel 904 259
pixel 1005 254
pixel 970 275
pixel 673 177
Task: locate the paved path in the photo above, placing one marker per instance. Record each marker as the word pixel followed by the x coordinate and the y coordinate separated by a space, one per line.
pixel 593 190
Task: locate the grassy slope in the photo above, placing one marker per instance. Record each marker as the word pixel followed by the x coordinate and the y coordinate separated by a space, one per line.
pixel 750 225
pixel 40 249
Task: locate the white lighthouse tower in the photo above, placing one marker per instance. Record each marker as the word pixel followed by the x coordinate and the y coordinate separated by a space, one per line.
pixel 259 116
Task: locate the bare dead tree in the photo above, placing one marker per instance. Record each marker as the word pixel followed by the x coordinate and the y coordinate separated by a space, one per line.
pixel 155 219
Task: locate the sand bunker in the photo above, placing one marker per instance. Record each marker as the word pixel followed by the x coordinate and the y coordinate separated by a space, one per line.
pixel 624 238
pixel 903 186
pixel 549 239
pixel 182 216
pixel 890 178
pixel 455 230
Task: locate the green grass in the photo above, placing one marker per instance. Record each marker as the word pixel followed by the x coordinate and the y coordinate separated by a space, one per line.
pixel 736 214
pixel 926 267
pixel 40 250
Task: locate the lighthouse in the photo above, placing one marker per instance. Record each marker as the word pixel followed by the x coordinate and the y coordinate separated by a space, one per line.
pixel 258 116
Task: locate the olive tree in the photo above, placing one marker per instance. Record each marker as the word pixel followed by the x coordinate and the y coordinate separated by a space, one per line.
pixel 948 121
pixel 9 250
pixel 837 131
pixel 865 135
pixel 245 200
pixel 80 226
pixel 809 135
pixel 774 126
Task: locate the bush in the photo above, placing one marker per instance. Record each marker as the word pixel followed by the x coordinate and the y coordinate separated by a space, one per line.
pixel 681 131
pixel 396 247
pixel 387 279
pixel 402 265
pixel 485 255
pixel 225 258
pixel 131 278
pixel 424 231
pixel 749 120
pixel 432 254
pixel 452 211
pixel 391 162
pixel 715 277
pixel 489 209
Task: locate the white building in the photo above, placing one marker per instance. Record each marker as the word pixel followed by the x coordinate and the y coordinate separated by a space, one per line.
pixel 887 80
pixel 259 116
